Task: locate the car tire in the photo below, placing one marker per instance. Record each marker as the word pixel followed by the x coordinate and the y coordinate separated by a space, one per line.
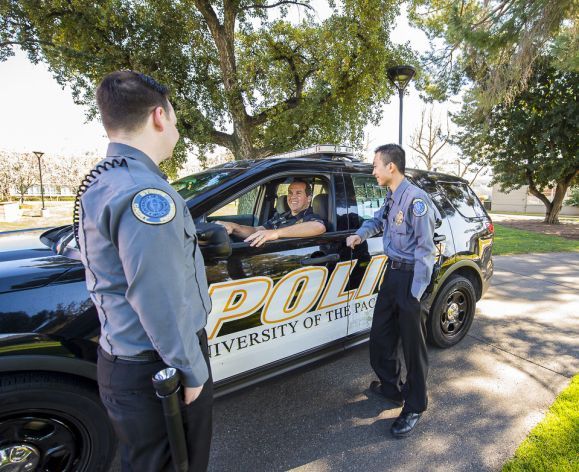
pixel 53 422
pixel 452 312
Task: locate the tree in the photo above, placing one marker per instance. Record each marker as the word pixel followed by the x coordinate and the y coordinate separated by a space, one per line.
pixel 573 199
pixel 531 141
pixel 494 44
pixel 194 164
pixel 429 138
pixel 23 173
pixel 467 169
pixel 5 176
pixel 69 171
pixel 241 75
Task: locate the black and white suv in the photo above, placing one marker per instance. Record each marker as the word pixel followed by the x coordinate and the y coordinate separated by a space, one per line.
pixel 276 307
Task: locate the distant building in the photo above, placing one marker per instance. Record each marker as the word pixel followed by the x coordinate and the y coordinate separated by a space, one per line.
pixel 521 201
pixel 50 190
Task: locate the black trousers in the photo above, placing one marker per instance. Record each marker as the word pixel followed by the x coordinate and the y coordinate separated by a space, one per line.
pixel 126 390
pixel 400 321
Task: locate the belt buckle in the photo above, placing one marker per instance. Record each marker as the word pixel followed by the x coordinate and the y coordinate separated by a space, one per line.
pixel 396 264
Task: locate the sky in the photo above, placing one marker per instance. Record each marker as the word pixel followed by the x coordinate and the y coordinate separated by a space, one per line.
pixel 43 116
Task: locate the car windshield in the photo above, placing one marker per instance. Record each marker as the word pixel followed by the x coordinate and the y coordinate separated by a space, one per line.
pixel 192 185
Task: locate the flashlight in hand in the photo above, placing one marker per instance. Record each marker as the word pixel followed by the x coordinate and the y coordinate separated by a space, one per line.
pixel 168 386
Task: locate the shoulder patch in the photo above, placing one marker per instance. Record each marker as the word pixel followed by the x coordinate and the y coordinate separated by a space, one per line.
pixel 419 208
pixel 153 206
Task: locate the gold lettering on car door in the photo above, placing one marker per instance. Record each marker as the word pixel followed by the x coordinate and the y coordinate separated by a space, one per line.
pixel 236 299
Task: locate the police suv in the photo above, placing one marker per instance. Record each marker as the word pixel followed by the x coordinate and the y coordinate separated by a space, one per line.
pixel 275 307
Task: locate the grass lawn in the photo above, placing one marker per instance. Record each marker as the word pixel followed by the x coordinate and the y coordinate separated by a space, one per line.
pixel 516 241
pixel 570 218
pixel 60 214
pixel 553 445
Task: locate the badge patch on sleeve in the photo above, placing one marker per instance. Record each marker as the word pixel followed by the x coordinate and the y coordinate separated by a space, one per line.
pixel 153 206
pixel 419 208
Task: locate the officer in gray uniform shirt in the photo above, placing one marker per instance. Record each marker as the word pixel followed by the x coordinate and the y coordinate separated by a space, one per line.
pixel 407 219
pixel 146 277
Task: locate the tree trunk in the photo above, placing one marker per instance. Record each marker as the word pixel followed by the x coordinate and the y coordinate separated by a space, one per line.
pixel 242 141
pixel 553 210
pixel 554 207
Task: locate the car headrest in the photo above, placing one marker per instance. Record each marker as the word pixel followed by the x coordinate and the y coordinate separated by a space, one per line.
pixel 320 205
pixel 281 205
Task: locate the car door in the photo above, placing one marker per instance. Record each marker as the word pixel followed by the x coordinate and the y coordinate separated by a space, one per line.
pixel 273 303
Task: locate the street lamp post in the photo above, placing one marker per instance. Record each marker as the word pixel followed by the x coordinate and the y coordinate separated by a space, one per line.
pixel 39 154
pixel 400 76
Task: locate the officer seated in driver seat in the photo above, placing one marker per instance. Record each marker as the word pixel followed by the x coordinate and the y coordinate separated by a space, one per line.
pixel 299 221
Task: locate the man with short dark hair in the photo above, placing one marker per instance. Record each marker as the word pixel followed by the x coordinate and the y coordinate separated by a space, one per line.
pixel 407 219
pixel 299 221
pixel 146 277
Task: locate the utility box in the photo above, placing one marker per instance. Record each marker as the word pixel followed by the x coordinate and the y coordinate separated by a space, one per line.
pixel 9 211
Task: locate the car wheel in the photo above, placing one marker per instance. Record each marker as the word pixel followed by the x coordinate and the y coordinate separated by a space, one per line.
pixel 51 422
pixel 452 312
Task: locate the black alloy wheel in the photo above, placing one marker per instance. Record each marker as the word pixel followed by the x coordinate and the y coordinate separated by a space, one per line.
pixel 452 312
pixel 52 423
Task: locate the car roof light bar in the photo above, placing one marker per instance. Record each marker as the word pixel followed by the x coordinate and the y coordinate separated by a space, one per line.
pixel 318 150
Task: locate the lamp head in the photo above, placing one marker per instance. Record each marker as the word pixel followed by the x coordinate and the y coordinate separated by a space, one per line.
pixel 400 76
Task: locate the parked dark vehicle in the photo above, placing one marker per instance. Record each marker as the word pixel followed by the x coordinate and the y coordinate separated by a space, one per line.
pixel 277 307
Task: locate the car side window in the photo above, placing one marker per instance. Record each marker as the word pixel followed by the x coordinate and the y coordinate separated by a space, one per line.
pixel 369 195
pixel 463 199
pixel 242 210
pixel 320 196
pixel 319 187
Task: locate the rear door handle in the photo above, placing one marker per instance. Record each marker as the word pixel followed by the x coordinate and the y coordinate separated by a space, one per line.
pixel 320 260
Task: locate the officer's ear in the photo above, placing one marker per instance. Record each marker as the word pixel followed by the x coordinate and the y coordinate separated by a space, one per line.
pixel 159 116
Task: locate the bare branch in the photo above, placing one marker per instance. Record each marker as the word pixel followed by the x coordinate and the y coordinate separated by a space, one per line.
pixel 22 43
pixel 534 190
pixel 498 11
pixel 285 2
pixel 476 175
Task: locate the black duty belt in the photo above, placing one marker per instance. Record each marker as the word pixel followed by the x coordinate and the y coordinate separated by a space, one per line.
pixel 399 265
pixel 145 356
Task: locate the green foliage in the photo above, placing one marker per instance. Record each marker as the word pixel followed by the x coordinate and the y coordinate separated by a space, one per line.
pixel 553 445
pixel 492 45
pixel 532 139
pixel 241 75
pixel 573 199
pixel 515 241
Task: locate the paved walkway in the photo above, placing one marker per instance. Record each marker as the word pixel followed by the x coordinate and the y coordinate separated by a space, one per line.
pixel 486 394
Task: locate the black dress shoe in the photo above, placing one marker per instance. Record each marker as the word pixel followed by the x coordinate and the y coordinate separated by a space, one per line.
pixel 375 389
pixel 404 424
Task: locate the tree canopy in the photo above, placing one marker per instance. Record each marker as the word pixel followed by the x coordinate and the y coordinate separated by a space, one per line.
pixel 531 140
pixel 493 44
pixel 242 75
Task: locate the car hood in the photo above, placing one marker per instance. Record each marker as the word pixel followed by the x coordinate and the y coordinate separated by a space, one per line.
pixel 27 263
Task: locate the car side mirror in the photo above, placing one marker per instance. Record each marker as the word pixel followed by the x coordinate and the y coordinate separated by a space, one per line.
pixel 213 240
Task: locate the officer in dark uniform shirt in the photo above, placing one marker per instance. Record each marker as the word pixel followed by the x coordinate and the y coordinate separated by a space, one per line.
pixel 299 221
pixel 282 220
pixel 146 277
pixel 407 219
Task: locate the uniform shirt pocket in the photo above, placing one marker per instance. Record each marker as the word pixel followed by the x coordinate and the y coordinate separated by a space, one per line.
pixel 399 236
